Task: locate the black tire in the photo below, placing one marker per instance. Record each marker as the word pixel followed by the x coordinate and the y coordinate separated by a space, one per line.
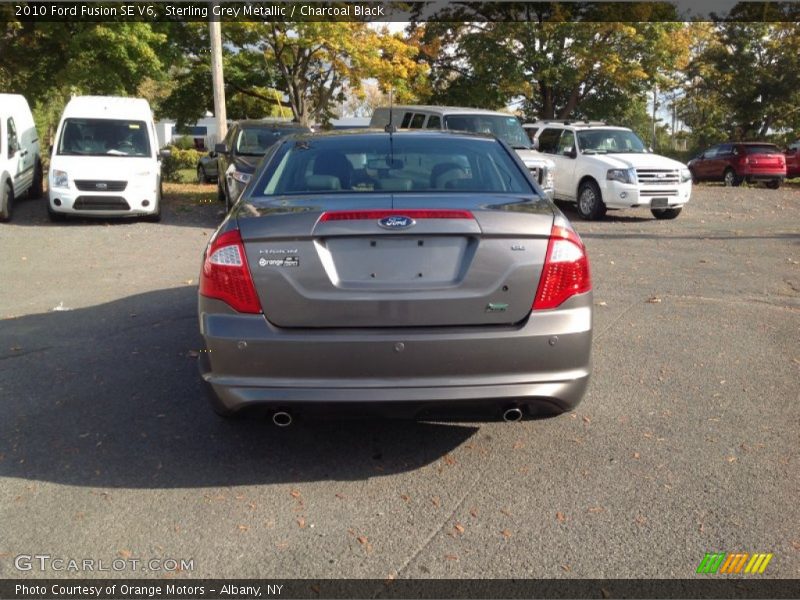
pixel 6 201
pixel 37 186
pixel 774 185
pixel 201 175
pixel 666 213
pixel 590 202
pixel 731 179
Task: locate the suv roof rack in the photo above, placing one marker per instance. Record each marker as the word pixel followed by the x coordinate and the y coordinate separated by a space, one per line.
pixel 573 122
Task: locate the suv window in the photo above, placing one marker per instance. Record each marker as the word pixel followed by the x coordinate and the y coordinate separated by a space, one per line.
pixel 406 120
pixel 548 140
pixel 567 142
pixel 416 121
pixel 725 149
pixel 711 152
pixel 434 122
pixel 531 131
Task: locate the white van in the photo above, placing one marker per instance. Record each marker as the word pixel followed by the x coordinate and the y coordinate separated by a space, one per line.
pixel 105 160
pixel 20 158
pixel 502 125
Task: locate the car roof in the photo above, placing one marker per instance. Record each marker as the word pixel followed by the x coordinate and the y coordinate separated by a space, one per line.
pixel 372 132
pixel 448 110
pixel 100 107
pixel 575 125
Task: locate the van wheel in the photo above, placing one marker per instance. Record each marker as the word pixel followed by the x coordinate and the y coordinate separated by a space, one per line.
pixel 666 213
pixel 37 187
pixel 590 203
pixel 774 184
pixel 6 202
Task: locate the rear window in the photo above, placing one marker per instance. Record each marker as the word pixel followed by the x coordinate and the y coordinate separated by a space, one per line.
pixel 761 149
pixel 403 164
pixel 104 137
pixel 254 141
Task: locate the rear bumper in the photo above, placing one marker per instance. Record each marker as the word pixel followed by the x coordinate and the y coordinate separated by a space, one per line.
pixel 764 176
pixel 540 365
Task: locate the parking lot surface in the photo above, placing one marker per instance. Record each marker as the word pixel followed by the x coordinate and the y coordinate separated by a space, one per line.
pixel 686 443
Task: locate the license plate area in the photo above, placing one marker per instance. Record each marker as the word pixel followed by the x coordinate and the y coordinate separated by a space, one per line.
pixel 394 260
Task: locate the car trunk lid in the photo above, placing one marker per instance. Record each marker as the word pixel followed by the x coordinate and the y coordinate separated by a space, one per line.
pixel 409 260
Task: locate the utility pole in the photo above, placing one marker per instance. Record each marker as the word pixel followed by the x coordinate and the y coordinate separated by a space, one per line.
pixel 655 107
pixel 220 114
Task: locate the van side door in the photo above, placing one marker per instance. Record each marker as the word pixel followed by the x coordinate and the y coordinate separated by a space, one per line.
pixel 20 169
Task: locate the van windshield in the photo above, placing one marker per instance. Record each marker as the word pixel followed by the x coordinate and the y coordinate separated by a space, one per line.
pixel 506 128
pixel 104 137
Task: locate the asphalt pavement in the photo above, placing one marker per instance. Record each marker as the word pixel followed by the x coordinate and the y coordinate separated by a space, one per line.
pixel 686 443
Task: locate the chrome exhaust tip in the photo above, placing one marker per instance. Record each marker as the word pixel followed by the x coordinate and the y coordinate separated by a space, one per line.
pixel 282 418
pixel 511 415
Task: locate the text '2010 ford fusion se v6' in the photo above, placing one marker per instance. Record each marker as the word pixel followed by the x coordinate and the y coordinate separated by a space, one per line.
pixel 413 275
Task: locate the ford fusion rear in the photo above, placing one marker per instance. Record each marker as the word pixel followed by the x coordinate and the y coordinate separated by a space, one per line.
pixel 418 275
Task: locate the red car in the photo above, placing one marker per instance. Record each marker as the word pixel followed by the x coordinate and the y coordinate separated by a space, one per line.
pixel 792 156
pixel 734 163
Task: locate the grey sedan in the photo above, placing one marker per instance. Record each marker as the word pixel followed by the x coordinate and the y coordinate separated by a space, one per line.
pixel 416 274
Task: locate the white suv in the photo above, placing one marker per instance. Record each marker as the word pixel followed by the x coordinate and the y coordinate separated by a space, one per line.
pixel 601 167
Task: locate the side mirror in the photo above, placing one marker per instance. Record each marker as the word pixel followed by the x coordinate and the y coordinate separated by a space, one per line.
pixel 220 148
pixel 212 154
pixel 164 153
pixel 572 152
pixel 535 143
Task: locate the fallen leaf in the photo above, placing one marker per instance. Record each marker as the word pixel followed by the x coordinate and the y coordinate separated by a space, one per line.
pixel 601 303
pixel 448 458
pixel 505 512
pixel 474 513
pixel 189 281
pixel 560 516
pixel 518 445
pixel 654 300
pixel 404 498
pixel 605 593
pixel 506 533
pixel 301 522
pixel 796 545
pixel 596 509
pixel 459 527
pixel 294 494
pixel 435 500
pixel 340 496
pixel 731 459
pixel 566 568
pixel 586 419
pixel 362 539
pixel 450 557
pixel 636 455
pixel 243 527
pixel 125 553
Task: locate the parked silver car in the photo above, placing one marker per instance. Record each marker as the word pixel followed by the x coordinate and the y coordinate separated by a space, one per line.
pixel 413 274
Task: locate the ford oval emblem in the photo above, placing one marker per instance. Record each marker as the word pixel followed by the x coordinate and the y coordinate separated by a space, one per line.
pixel 396 222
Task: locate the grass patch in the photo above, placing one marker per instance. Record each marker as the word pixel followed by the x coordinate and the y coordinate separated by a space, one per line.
pixel 183 196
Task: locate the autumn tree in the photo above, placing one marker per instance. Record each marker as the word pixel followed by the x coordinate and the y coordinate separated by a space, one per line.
pixel 559 67
pixel 744 81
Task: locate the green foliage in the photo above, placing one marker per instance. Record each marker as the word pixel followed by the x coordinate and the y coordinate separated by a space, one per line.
pixel 178 160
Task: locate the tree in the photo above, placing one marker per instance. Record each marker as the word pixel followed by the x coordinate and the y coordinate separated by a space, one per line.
pixel 744 81
pixel 558 67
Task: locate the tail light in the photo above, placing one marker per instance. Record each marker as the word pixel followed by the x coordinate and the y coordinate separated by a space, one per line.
pixel 225 274
pixel 566 269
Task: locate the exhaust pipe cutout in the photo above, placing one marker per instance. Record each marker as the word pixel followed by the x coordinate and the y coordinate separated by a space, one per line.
pixel 282 418
pixel 512 415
